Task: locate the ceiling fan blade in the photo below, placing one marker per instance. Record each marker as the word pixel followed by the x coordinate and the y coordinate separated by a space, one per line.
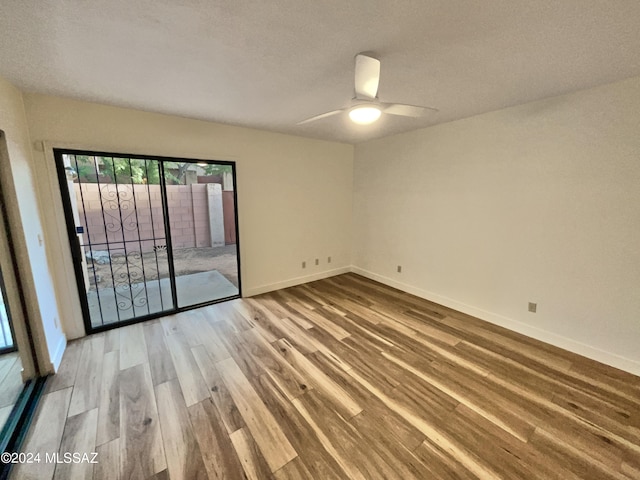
pixel 318 117
pixel 367 76
pixel 406 110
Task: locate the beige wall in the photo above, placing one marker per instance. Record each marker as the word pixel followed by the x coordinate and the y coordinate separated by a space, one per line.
pixel 17 177
pixel 294 194
pixel 539 202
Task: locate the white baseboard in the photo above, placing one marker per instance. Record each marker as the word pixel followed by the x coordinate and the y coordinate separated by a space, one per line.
pixel 565 343
pixel 57 356
pixel 250 292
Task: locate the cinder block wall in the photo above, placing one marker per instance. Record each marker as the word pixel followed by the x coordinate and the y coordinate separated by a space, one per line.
pixel 130 216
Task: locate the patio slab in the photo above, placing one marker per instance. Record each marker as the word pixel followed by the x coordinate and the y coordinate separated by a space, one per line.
pixel 129 301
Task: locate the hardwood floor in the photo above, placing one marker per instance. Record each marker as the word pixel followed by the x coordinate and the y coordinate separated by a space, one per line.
pixel 343 378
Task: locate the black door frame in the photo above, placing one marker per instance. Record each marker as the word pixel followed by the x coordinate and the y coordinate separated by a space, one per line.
pixel 75 246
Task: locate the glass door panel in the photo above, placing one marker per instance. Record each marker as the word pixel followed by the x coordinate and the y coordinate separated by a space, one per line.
pixel 202 218
pixel 117 208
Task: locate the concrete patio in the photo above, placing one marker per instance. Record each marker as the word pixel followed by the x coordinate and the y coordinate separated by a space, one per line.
pixel 111 305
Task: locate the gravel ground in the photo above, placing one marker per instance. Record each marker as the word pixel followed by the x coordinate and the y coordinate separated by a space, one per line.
pixel 186 261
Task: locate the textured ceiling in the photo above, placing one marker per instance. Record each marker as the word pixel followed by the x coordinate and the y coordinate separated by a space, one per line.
pixel 271 64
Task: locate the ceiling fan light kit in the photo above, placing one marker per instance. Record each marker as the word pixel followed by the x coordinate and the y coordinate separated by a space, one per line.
pixel 364 115
pixel 368 108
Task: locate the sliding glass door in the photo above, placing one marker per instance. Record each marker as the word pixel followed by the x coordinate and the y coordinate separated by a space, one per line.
pixel 20 381
pixel 149 235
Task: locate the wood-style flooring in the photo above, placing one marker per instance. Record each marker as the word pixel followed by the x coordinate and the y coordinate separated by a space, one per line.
pixel 342 378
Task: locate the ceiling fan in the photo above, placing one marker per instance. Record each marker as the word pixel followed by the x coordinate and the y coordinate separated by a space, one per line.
pixel 365 107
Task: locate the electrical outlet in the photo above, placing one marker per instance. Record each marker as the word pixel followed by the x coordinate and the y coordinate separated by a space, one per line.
pixel 328 259
pixel 399 268
pixel 304 264
pixel 533 307
pixel 317 261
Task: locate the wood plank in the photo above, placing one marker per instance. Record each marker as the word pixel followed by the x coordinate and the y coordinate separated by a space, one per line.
pixel 108 466
pixel 160 361
pixel 365 330
pixel 519 429
pixel 141 449
pixel 45 435
pixel 347 441
pixel 511 380
pixel 296 336
pixel 253 463
pixel 572 458
pixel 393 425
pixel 299 299
pixel 219 393
pixel 366 358
pixel 264 429
pixel 255 319
pixel 504 345
pixel 111 340
pixel 261 317
pixel 191 381
pixel 220 459
pixel 238 349
pixel 228 314
pixel 288 379
pixel 184 460
pixel 86 390
pixel 281 310
pixel 427 329
pixel 66 374
pixel 294 470
pixel 509 455
pixel 170 324
pixel 339 450
pixel 307 342
pixel 133 348
pixel 631 467
pixel 434 434
pixel 79 438
pixel 440 464
pixel 163 475
pixel 109 401
pixel 211 340
pixel 323 318
pixel 299 432
pixel 400 459
pixel 343 402
pixel 189 327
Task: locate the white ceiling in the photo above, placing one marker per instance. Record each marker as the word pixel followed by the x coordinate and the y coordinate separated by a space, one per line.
pixel 271 64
